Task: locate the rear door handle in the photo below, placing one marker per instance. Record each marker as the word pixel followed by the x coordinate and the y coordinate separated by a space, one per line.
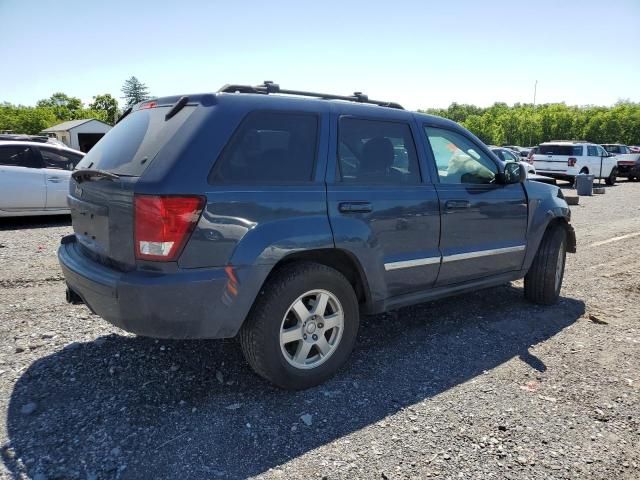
pixel 54 179
pixel 457 204
pixel 355 207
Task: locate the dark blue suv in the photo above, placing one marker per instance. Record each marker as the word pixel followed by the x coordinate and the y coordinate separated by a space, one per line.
pixel 281 218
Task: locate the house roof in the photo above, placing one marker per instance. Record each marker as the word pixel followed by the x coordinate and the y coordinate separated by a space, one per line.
pixel 71 124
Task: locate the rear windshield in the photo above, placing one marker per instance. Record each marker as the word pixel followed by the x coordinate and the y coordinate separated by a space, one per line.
pixel 131 145
pixel 567 150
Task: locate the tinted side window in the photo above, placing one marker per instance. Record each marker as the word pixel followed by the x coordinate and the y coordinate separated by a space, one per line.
pixel 507 156
pixel 499 154
pixel 371 151
pixel 270 147
pixel 18 156
pixel 592 151
pixel 59 159
pixel 458 159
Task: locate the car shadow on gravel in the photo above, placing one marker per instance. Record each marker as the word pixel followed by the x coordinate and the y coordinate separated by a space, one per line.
pixel 44 221
pixel 130 407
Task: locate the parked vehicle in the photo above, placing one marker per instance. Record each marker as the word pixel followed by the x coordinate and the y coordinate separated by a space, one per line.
pixel 31 138
pixel 634 149
pixel 340 205
pixel 34 178
pixel 507 155
pixel 628 162
pixel 629 165
pixel 616 148
pixel 565 159
pixel 524 152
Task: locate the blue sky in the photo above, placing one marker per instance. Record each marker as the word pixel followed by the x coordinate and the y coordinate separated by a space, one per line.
pixel 417 53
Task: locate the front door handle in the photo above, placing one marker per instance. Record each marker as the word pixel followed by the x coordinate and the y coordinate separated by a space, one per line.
pixel 457 204
pixel 355 207
pixel 54 179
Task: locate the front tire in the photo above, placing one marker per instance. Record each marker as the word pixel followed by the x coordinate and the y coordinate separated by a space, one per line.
pixel 303 326
pixel 613 176
pixel 543 281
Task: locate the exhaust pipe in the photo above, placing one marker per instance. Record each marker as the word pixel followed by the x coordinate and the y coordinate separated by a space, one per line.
pixel 72 297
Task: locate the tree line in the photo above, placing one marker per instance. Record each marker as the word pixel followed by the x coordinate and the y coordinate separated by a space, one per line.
pixel 499 124
pixel 61 107
pixel 528 125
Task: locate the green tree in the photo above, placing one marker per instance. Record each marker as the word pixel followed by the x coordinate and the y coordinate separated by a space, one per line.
pixel 107 105
pixel 63 106
pixel 134 91
pixel 524 124
pixel 21 119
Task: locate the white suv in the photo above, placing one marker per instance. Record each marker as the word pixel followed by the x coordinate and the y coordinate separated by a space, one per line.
pixel 566 159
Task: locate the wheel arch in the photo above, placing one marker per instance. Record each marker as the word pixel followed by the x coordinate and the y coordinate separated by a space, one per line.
pixel 335 258
pixel 564 224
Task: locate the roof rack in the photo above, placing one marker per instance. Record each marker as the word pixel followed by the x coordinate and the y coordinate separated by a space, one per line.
pixel 269 87
pixel 570 141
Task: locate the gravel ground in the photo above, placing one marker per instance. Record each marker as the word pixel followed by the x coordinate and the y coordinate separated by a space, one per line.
pixel 480 386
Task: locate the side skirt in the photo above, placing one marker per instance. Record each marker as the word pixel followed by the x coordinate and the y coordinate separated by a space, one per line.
pixel 442 292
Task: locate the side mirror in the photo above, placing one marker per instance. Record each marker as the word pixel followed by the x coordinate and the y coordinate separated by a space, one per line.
pixel 514 172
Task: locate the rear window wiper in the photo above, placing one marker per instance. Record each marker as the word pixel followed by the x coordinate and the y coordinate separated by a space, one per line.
pixel 124 114
pixel 182 101
pixel 89 174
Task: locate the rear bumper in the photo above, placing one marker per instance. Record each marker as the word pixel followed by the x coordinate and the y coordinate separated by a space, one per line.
pixel 629 170
pixel 188 303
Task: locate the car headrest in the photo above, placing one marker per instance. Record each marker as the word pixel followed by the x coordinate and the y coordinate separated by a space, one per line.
pixel 377 155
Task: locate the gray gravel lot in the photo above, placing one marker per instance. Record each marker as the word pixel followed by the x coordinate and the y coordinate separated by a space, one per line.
pixel 480 386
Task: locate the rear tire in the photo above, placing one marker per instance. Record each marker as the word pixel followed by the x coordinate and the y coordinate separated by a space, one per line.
pixel 613 176
pixel 285 311
pixel 543 281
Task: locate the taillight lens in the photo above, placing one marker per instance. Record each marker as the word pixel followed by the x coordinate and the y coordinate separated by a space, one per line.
pixel 163 224
pixel 571 161
pixel 152 104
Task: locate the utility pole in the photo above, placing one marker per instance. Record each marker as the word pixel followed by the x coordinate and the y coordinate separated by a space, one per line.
pixel 535 90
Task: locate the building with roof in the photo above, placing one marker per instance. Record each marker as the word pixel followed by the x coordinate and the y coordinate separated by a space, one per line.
pixel 79 134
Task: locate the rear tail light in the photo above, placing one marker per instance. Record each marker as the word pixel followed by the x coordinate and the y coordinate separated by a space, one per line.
pixel 145 105
pixel 163 225
pixel 572 161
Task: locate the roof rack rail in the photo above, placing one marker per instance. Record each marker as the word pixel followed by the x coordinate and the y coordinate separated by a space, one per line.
pixel 571 141
pixel 269 87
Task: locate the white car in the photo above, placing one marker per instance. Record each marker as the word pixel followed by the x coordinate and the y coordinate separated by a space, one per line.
pixel 34 178
pixel 507 155
pixel 566 159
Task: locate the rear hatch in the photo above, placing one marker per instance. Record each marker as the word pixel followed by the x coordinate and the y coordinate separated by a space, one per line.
pixel 102 187
pixel 556 158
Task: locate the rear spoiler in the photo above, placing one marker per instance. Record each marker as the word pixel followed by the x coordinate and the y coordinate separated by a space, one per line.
pixel 175 107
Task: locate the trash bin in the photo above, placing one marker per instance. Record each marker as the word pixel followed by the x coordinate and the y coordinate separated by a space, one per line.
pixel 584 184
